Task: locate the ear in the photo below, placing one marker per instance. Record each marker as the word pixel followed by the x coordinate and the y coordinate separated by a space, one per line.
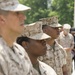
pixel 45 30
pixel 25 44
pixel 2 19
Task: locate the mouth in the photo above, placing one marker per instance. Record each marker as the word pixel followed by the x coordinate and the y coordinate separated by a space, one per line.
pixel 58 33
pixel 45 48
pixel 22 24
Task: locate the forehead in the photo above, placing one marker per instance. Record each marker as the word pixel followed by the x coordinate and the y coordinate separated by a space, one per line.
pixel 32 40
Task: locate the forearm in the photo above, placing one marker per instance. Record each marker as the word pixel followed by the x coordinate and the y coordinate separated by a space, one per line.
pixel 64 69
pixel 72 47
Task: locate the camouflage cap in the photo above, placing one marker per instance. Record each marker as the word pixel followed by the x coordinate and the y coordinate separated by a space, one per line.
pixel 34 31
pixel 12 5
pixel 52 21
pixel 66 26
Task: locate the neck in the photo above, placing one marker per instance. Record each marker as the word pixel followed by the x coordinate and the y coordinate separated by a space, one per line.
pixel 35 63
pixel 33 59
pixel 9 38
pixel 50 41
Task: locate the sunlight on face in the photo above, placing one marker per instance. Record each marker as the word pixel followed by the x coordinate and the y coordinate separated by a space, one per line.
pixel 15 22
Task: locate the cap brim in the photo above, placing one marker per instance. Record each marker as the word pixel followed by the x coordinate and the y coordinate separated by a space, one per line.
pixel 17 7
pixel 58 26
pixel 40 36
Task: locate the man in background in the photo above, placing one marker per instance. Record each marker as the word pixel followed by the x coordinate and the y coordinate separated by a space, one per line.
pixel 55 56
pixel 66 40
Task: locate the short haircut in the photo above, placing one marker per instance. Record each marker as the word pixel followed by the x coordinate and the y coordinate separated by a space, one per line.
pixel 2 12
pixel 21 39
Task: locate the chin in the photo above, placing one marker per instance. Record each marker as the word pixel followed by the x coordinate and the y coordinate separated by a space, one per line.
pixel 43 53
pixel 21 31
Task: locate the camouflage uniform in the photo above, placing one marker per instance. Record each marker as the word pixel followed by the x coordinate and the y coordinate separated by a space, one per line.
pixel 44 69
pixel 14 62
pixel 67 42
pixel 55 57
pixel 17 62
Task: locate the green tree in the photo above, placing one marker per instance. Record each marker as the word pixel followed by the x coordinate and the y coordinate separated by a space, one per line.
pixel 64 10
pixel 38 9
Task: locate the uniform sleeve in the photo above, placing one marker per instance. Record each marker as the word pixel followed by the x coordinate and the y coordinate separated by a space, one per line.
pixel 64 57
pixel 50 71
pixel 3 66
pixel 47 70
pixel 53 72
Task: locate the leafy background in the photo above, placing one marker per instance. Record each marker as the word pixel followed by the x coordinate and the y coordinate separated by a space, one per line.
pixel 63 9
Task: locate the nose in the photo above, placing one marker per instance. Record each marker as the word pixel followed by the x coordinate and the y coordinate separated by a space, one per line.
pixel 58 30
pixel 22 16
pixel 44 42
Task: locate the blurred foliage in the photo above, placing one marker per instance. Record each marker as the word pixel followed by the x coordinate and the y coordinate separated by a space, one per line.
pixel 64 9
pixel 38 10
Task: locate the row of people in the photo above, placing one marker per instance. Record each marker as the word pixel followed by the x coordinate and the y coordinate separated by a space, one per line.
pixel 14 59
pixel 22 48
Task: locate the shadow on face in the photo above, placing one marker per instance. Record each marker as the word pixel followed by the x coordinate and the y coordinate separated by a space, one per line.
pixel 52 31
pixel 33 47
